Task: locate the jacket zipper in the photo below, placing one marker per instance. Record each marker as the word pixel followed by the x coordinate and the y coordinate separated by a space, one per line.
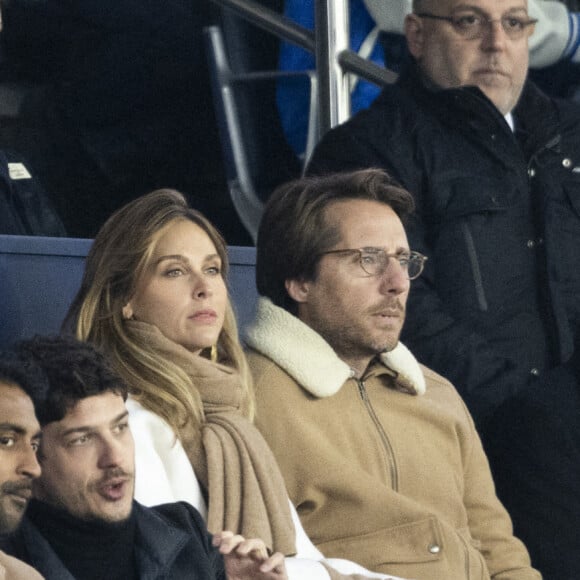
pixel 547 306
pixel 390 456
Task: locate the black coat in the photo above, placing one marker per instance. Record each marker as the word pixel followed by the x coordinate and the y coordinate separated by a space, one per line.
pixel 498 214
pixel 535 454
pixel 171 543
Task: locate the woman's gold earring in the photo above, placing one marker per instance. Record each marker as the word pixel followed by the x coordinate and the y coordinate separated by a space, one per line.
pixel 213 353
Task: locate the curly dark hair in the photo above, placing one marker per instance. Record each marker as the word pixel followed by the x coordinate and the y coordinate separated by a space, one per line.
pixel 22 371
pixel 73 371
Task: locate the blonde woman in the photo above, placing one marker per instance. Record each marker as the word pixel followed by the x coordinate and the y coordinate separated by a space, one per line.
pixel 154 298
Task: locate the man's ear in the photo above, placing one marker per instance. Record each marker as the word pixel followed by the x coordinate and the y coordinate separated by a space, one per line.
pixel 415 35
pixel 127 311
pixel 298 289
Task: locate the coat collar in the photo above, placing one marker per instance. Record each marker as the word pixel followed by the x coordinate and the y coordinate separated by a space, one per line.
pixel 157 544
pixel 311 361
pixel 41 556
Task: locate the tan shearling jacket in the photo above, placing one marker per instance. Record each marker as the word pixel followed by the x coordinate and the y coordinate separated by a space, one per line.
pixel 388 470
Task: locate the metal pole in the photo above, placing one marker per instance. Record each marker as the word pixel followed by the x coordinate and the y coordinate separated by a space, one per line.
pixel 270 20
pixel 332 38
pixel 351 62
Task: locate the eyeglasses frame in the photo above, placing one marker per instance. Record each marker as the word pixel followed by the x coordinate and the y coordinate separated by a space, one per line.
pixel 397 256
pixel 453 21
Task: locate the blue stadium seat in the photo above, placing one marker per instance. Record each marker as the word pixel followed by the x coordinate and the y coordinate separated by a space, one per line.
pixel 40 276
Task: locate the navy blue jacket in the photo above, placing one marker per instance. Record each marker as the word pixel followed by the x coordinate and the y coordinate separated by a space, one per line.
pixel 498 214
pixel 172 543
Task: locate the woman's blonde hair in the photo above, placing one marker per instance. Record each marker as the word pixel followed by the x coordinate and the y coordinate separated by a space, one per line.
pixel 118 258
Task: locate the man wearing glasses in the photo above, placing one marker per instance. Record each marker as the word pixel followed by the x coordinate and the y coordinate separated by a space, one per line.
pixel 556 36
pixel 494 168
pixel 379 454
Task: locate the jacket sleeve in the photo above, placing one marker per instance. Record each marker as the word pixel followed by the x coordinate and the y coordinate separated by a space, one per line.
pixel 554 38
pixel 483 376
pixel 490 526
pixel 188 519
pixel 477 368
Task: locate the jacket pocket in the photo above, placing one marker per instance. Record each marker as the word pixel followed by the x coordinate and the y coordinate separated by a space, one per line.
pixel 455 197
pixel 415 542
pixel 572 190
pixel 475 565
pixel 467 212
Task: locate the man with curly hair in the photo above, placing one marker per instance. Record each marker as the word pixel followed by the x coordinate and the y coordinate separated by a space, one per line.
pixel 83 522
pixel 19 440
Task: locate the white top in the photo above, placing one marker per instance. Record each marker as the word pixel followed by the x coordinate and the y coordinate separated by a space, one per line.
pixel 164 474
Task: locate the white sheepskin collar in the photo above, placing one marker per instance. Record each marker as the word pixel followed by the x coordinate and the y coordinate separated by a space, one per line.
pixel 310 360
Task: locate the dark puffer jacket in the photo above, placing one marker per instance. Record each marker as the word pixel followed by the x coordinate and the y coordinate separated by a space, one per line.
pixel 498 214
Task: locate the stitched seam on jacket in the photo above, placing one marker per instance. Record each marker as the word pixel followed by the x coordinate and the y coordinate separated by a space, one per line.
pixel 477 278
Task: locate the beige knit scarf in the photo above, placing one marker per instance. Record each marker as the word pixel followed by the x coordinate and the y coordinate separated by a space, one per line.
pixel 233 462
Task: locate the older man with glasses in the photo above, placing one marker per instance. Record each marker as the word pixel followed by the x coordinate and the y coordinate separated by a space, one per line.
pixel 379 454
pixel 556 37
pixel 493 165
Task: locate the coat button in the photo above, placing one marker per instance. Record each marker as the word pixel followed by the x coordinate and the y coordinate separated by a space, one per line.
pixel 567 162
pixel 434 548
pixel 531 244
pixel 535 372
pixel 531 172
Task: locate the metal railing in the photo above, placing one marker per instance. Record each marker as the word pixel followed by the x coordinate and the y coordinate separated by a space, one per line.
pixel 329 43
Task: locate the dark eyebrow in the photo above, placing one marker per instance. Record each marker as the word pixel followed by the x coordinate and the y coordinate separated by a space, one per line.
pixel 13 427
pixel 89 428
pixel 120 417
pixel 18 429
